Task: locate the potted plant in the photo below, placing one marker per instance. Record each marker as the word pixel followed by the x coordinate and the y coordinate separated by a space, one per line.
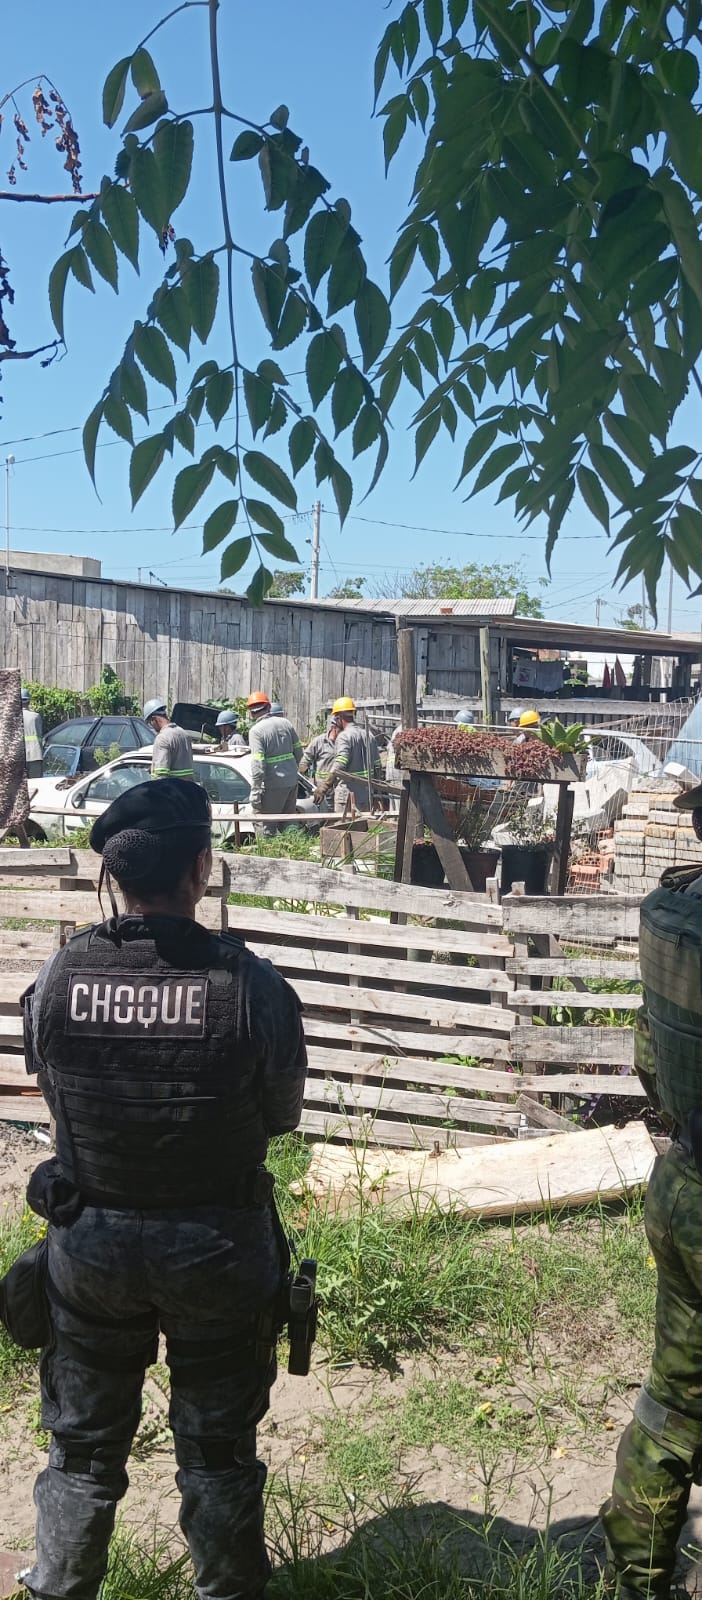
pixel 527 857
pixel 475 753
pixel 473 828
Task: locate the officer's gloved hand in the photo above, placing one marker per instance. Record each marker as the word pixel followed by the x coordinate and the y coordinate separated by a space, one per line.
pixel 320 794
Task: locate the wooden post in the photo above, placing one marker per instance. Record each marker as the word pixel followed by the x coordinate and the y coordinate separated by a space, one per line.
pixel 407 668
pixel 485 678
pixel 447 849
pixel 564 823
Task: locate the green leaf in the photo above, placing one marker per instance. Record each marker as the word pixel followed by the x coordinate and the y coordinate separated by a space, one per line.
pixel 259 398
pixel 57 290
pixel 113 91
pixel 347 397
pixel 201 284
pixel 144 75
pixel 219 524
pixel 189 487
pixel 184 431
pixel 147 186
pixel 173 315
pixel 645 401
pixel 342 489
pixel 323 239
pixel 430 249
pixel 235 557
pixel 679 71
pixel 382 61
pixel 118 418
pixel 173 148
pixel 227 462
pixel 366 428
pixel 559 507
pixel 409 22
pixel 393 133
pixel 683 126
pixel 345 279
pixel 269 289
pixel 301 443
pixel 278 172
pixel 131 384
pixel 277 418
pixel 219 395
pixel 434 20
pixel 401 259
pixel 425 435
pixel 90 434
pixel 145 462
pixel 322 365
pixel 503 457
pixel 101 251
pixel 122 218
pixel 594 495
pixel 259 586
pixel 629 437
pixel 266 517
pixel 148 110
pixel 613 471
pixel 152 351
pixel 280 117
pixel 275 544
pixel 443 331
pixel 480 441
pixel 426 350
pixel 457 13
pixel 372 314
pixel 270 477
pixel 246 146
pixel 80 268
pixel 292 322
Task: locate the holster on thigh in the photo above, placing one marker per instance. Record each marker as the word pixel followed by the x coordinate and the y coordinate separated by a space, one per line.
pixel 672 1430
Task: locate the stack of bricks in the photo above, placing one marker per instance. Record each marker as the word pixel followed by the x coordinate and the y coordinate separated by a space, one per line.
pixel 650 836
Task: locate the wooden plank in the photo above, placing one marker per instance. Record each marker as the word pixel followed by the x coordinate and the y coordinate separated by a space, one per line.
pixel 12 860
pixel 560 1169
pixel 456 871
pixel 486 1080
pixel 371 1131
pixel 388 1003
pixel 24 1108
pixel 603 918
pixel 572 966
pixel 366 1097
pixel 304 881
pixel 398 1040
pixel 576 999
pixel 438 974
pixel 32 945
pixel 564 825
pixel 608 1046
pixel 315 930
pixel 57 906
pixel 543 1116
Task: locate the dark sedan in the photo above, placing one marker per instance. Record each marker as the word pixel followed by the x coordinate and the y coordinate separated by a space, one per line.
pixel 85 743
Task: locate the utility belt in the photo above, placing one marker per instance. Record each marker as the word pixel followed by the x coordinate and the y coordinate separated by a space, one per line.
pixel 27 1293
pixel 59 1201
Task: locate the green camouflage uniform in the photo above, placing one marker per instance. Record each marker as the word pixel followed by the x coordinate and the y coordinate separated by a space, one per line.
pixel 660 1453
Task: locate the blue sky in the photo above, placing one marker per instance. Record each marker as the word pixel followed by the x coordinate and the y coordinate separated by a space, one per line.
pixel 318 58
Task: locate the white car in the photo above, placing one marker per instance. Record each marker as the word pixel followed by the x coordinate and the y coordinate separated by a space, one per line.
pixel 61 806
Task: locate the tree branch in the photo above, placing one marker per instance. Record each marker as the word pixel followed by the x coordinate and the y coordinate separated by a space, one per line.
pixel 26 355
pixel 47 199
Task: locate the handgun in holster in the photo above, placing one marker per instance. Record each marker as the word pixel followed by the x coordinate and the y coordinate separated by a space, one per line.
pixel 295 1308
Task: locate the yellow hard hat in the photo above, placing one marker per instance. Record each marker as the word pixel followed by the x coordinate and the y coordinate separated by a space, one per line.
pixel 344 704
pixel 529 719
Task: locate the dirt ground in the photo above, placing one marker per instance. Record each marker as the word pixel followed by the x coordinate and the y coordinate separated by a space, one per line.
pixel 561 1485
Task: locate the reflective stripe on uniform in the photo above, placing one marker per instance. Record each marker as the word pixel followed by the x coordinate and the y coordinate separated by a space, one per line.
pixel 171 772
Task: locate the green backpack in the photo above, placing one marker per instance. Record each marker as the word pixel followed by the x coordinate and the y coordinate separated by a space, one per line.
pixel 670 949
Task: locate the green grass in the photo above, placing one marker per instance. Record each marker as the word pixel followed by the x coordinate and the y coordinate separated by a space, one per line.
pixel 17 1232
pixel 390 1285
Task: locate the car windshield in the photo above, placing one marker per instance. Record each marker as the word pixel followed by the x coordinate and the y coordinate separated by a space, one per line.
pixel 74 733
pixel 61 760
pixel 225 785
pixel 109 786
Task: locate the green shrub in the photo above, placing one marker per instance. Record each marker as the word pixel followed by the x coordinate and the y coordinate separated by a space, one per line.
pixel 109 698
pixel 54 705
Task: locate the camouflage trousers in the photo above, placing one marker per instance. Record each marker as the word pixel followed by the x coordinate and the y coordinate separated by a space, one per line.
pixel 660 1453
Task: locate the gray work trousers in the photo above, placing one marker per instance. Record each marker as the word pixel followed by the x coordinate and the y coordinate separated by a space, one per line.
pixel 117 1277
pixel 276 801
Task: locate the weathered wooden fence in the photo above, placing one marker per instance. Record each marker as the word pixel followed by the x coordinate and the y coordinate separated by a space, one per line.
pixel 420 1032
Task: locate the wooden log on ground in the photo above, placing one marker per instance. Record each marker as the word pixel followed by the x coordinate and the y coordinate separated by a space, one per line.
pixel 553 1172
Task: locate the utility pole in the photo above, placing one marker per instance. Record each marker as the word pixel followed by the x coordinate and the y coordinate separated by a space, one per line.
pixel 9 462
pixel 598 610
pixel 314 570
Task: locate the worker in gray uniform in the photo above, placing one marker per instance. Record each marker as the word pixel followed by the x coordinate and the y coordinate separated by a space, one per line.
pixel 229 736
pixel 172 754
pixel 276 753
pixel 33 736
pixel 318 756
pixel 356 761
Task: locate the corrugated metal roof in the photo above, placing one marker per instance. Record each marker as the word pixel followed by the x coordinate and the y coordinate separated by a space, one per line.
pixel 504 606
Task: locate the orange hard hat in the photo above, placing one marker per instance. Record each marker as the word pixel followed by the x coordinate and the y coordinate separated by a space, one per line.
pixel 344 704
pixel 258 699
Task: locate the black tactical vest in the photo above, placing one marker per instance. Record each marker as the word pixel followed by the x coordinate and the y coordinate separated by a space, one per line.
pixel 143 1035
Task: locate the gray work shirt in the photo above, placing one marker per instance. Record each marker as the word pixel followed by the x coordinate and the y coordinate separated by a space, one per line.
pixel 172 754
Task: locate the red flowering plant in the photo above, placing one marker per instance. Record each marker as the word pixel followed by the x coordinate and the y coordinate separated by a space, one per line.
pixel 446 749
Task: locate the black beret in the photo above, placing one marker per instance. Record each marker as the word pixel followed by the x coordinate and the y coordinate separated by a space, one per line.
pixel 155 807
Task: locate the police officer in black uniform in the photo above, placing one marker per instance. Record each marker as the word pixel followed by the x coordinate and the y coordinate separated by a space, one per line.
pixel 168 1056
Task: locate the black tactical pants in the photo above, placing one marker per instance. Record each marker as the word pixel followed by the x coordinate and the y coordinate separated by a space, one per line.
pixel 117 1278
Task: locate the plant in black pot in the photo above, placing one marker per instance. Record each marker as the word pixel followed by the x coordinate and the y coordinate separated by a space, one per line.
pixel 527 856
pixel 473 828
